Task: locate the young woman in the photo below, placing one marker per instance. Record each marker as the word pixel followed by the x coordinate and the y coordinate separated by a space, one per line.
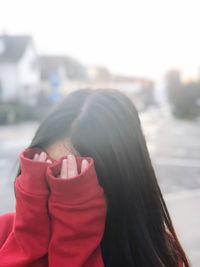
pixel 86 192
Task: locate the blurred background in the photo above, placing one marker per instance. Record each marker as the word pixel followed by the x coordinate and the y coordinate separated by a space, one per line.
pixel 147 49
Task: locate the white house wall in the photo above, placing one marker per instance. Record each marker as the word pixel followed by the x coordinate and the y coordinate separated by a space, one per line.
pixel 9 81
pixel 29 75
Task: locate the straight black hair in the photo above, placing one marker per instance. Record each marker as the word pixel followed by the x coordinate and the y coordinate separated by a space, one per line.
pixel 104 124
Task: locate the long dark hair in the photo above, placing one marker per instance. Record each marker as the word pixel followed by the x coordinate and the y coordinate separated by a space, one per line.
pixel 104 124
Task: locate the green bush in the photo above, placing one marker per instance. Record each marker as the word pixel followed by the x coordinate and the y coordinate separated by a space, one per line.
pixel 184 98
pixel 13 113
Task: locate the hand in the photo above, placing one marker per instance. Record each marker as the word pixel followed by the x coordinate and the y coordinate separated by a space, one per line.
pixel 69 167
pixel 41 157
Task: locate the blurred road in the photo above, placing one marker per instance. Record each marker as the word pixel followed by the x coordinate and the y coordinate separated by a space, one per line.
pixel 175 151
pixel 184 210
pixel 13 138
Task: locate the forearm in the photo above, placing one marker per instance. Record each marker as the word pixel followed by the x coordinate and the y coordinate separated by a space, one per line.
pixel 77 208
pixel 29 238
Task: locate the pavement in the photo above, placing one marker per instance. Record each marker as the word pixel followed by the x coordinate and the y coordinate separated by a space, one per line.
pixel 13 138
pixel 184 209
pixel 174 148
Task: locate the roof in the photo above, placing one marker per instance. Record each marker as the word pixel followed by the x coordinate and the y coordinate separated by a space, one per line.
pixel 50 64
pixel 13 47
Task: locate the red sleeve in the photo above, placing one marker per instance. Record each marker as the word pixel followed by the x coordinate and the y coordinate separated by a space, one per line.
pixel 29 238
pixel 77 208
pixel 6 225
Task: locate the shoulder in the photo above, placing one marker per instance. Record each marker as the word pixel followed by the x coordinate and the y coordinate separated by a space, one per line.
pixel 6 225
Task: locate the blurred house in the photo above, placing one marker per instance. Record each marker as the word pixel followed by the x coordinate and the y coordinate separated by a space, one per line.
pixel 99 74
pixel 189 73
pixel 63 74
pixel 19 72
pixel 140 90
pixel 60 74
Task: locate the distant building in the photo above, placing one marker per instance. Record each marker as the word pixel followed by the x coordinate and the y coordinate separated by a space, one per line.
pixel 67 67
pixel 99 74
pixel 19 71
pixel 60 74
pixel 189 73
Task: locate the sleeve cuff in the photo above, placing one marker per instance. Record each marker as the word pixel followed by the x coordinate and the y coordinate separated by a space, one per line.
pixel 78 189
pixel 33 173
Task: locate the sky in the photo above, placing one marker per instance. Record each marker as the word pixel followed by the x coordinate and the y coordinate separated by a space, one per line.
pixel 143 37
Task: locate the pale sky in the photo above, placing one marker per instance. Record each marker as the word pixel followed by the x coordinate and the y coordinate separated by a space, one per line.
pixel 144 37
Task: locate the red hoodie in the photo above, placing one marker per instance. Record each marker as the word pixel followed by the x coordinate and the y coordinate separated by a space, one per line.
pixel 58 222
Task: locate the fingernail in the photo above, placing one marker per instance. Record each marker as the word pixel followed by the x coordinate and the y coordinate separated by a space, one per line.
pixel 70 156
pixel 64 161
